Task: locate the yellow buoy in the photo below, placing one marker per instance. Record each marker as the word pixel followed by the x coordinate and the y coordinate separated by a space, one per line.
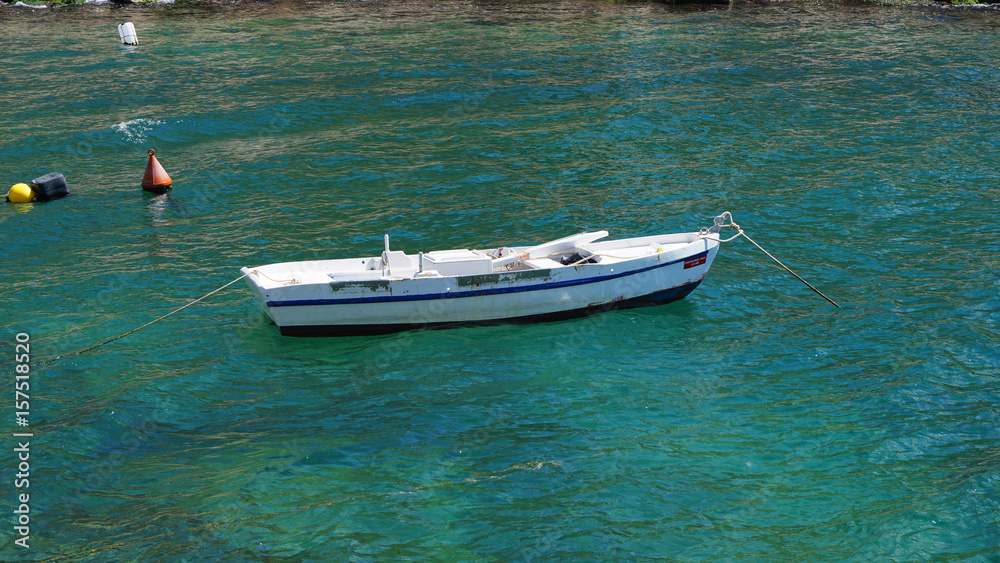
pixel 20 193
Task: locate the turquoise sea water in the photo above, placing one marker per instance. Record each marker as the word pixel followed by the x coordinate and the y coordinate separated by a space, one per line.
pixel 750 422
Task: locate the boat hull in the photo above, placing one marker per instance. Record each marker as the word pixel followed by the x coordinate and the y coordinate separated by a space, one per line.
pixel 384 305
pixel 657 298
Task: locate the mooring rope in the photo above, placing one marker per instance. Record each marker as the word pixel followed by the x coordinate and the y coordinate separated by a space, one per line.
pixel 720 223
pixel 286 282
pixel 134 330
pixel 528 466
pixel 789 270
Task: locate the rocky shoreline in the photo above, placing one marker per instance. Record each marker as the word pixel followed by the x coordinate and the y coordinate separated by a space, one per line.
pixel 29 4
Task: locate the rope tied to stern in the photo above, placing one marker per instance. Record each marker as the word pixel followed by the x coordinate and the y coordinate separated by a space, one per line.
pixel 134 330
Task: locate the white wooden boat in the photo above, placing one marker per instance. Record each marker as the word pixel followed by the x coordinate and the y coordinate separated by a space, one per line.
pixel 564 278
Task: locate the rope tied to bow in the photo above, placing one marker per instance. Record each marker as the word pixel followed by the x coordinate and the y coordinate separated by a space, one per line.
pixel 725 221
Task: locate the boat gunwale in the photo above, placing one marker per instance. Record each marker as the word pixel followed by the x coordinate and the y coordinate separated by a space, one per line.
pixel 275 272
pixel 488 291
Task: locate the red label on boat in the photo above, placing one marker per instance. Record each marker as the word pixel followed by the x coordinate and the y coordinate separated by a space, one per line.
pixel 692 262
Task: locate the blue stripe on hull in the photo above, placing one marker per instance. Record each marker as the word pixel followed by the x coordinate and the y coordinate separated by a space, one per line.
pixel 477 292
pixel 657 298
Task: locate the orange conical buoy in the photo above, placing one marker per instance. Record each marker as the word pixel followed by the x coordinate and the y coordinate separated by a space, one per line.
pixel 156 179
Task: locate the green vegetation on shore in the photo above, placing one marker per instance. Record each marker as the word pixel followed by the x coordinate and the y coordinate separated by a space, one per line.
pixel 731 3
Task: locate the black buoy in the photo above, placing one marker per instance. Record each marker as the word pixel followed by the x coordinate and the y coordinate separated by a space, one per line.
pixel 50 186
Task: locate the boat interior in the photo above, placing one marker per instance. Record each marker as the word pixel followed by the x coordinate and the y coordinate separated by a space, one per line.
pixel 576 250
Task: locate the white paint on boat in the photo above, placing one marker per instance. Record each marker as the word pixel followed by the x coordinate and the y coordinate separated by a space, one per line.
pixel 567 277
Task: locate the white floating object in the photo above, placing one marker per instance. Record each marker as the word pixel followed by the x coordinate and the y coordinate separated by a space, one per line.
pixel 127 32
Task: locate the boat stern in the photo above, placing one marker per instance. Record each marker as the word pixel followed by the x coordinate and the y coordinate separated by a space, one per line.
pixel 254 280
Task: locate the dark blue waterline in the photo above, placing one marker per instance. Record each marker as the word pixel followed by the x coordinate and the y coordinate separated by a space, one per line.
pixel 657 298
